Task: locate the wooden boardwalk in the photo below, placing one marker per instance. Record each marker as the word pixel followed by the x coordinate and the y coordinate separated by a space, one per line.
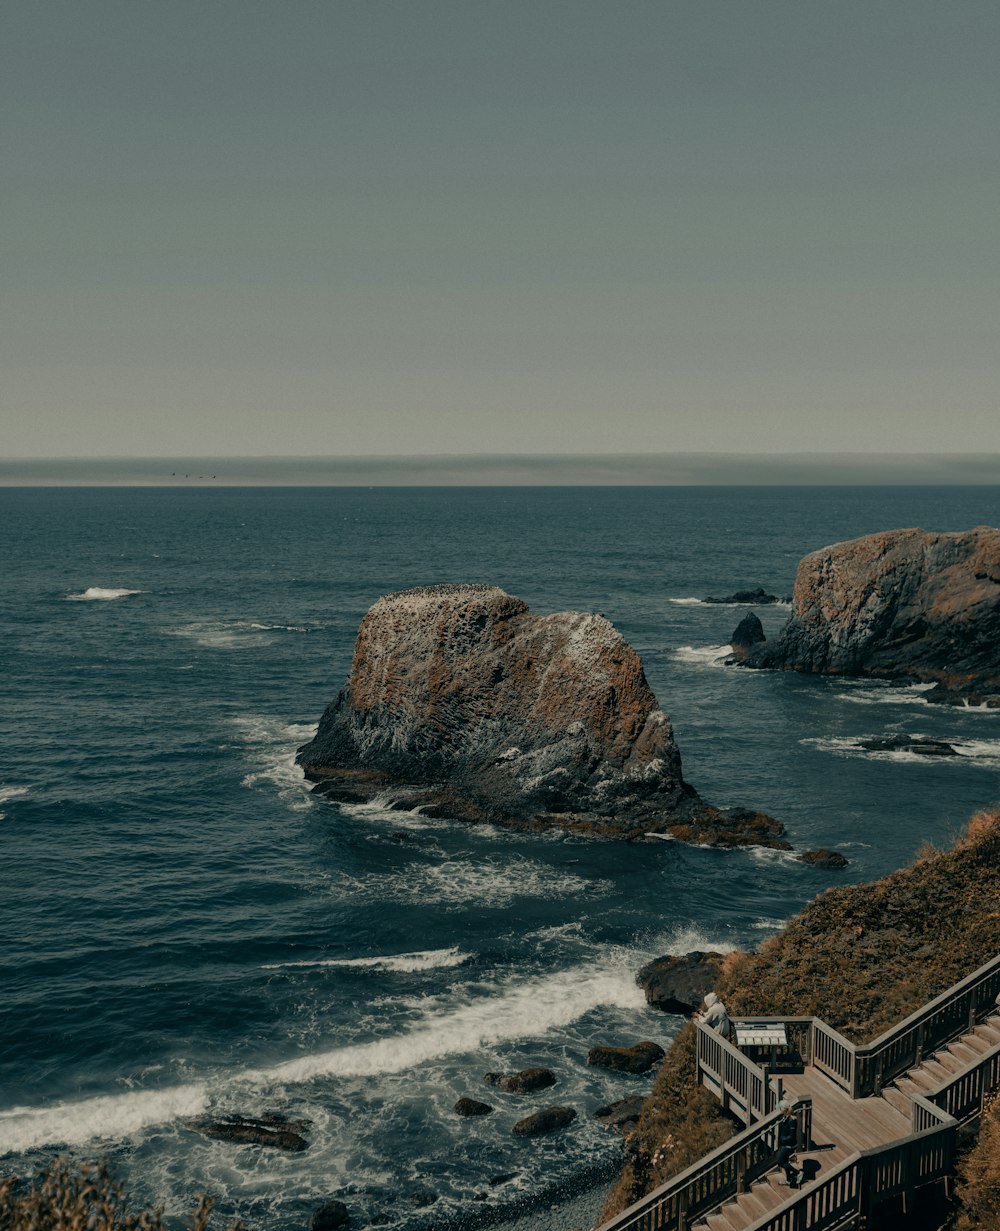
pixel 877 1121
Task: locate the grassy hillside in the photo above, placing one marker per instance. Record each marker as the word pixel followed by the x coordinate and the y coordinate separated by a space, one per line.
pixel 862 957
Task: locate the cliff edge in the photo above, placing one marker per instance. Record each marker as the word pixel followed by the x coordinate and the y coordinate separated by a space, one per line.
pixel 901 602
pixel 463 702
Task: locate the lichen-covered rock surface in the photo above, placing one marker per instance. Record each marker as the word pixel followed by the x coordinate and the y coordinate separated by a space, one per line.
pixel 898 603
pixel 463 702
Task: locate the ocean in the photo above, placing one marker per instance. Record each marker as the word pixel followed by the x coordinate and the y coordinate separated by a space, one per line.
pixel 188 933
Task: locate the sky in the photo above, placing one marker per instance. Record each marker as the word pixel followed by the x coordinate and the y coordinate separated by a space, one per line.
pixel 343 228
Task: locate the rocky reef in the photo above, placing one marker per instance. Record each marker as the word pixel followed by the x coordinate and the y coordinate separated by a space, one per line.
pixel 464 703
pixel 902 603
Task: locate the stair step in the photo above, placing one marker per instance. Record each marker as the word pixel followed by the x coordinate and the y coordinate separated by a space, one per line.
pixel 963 1054
pixel 898 1099
pixel 924 1082
pixel 951 1064
pixel 755 1204
pixel 975 1043
pixel 935 1071
pixel 987 1031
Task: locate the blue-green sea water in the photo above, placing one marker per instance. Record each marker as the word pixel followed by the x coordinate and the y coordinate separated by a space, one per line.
pixel 187 932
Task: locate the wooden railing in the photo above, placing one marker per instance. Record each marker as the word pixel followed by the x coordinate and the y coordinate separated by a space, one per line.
pixel 713 1180
pixel 740 1085
pixel 962 1097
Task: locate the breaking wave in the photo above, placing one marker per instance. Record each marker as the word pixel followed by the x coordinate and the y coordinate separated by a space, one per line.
pixel 233 634
pixel 8 793
pixel 984 753
pixel 100 594
pixel 703 655
pixel 429 959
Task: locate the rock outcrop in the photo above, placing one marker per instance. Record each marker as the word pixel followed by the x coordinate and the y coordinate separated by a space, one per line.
pixel 639 1058
pixel 678 984
pixel 464 703
pixel 899 603
pixel 748 634
pixel 523 1082
pixel 546 1121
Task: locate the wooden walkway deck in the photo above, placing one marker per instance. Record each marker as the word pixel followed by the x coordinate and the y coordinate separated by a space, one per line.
pixel 877 1121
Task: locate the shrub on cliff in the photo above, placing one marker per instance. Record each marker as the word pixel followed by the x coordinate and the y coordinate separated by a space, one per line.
pixel 83 1198
pixel 979 1176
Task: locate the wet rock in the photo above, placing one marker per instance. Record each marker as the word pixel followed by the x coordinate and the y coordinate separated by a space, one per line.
pixel 523 1082
pixel 747 634
pixel 504 1178
pixel 463 703
pixel 330 1217
pixel 918 744
pixel 244 1131
pixel 898 603
pixel 760 595
pixel 639 1058
pixel 823 858
pixel 621 1115
pixel 546 1121
pixel 422 1197
pixel 472 1107
pixel 677 984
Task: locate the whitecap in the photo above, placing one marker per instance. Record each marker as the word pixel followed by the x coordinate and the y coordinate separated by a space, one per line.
pixel 688 602
pixel 768 925
pixel 404 963
pixel 11 792
pixel 687 938
pixel 233 634
pixel 703 655
pixel 873 693
pixel 100 594
pixel 983 753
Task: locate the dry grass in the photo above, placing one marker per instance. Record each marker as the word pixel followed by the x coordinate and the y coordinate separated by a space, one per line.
pixel 979 1176
pixel 83 1198
pixel 862 957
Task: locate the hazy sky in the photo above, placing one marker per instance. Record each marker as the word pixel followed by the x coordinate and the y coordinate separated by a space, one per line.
pixel 328 227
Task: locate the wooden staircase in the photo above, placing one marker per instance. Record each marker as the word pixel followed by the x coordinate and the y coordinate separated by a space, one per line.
pixel 746 1210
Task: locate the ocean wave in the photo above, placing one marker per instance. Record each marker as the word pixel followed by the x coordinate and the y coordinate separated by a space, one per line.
pixel 687 938
pixel 405 963
pixel 110 1117
pixel 8 793
pixel 473 1017
pixel 768 925
pixel 700 602
pixel 100 594
pixel 875 693
pixel 703 655
pixel 454 883
pixel 233 634
pixel 688 602
pixel 513 1011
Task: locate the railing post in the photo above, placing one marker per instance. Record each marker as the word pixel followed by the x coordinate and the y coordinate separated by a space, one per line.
pixel 682 1222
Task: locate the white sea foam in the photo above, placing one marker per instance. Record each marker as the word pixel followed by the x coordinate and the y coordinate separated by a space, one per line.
pixel 700 602
pixel 515 1011
pixel 8 793
pixel 984 753
pixel 233 634
pixel 769 925
pixel 454 883
pixel 405 963
pixel 100 594
pixel 271 746
pixel 703 655
pixel 687 938
pixel 688 602
pixel 113 1116
pixel 874 693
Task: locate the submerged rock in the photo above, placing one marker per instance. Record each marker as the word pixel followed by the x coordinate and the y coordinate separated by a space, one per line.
pixel 330 1217
pixel 462 702
pixel 523 1082
pixel 897 603
pixel 760 595
pixel 823 858
pixel 678 984
pixel 921 745
pixel 546 1121
pixel 639 1058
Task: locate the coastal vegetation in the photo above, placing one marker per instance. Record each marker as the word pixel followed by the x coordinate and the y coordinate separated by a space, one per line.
pixel 862 957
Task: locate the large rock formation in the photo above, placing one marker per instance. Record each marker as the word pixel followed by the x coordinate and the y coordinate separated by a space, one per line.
pixel 898 603
pixel 463 702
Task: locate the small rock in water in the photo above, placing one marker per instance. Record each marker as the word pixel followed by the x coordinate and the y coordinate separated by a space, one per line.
pixel 523 1082
pixel 422 1197
pixel 472 1107
pixel 251 1132
pixel 330 1217
pixel 547 1121
pixel 504 1178
pixel 621 1114
pixel 637 1059
pixel 920 744
pixel 823 859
